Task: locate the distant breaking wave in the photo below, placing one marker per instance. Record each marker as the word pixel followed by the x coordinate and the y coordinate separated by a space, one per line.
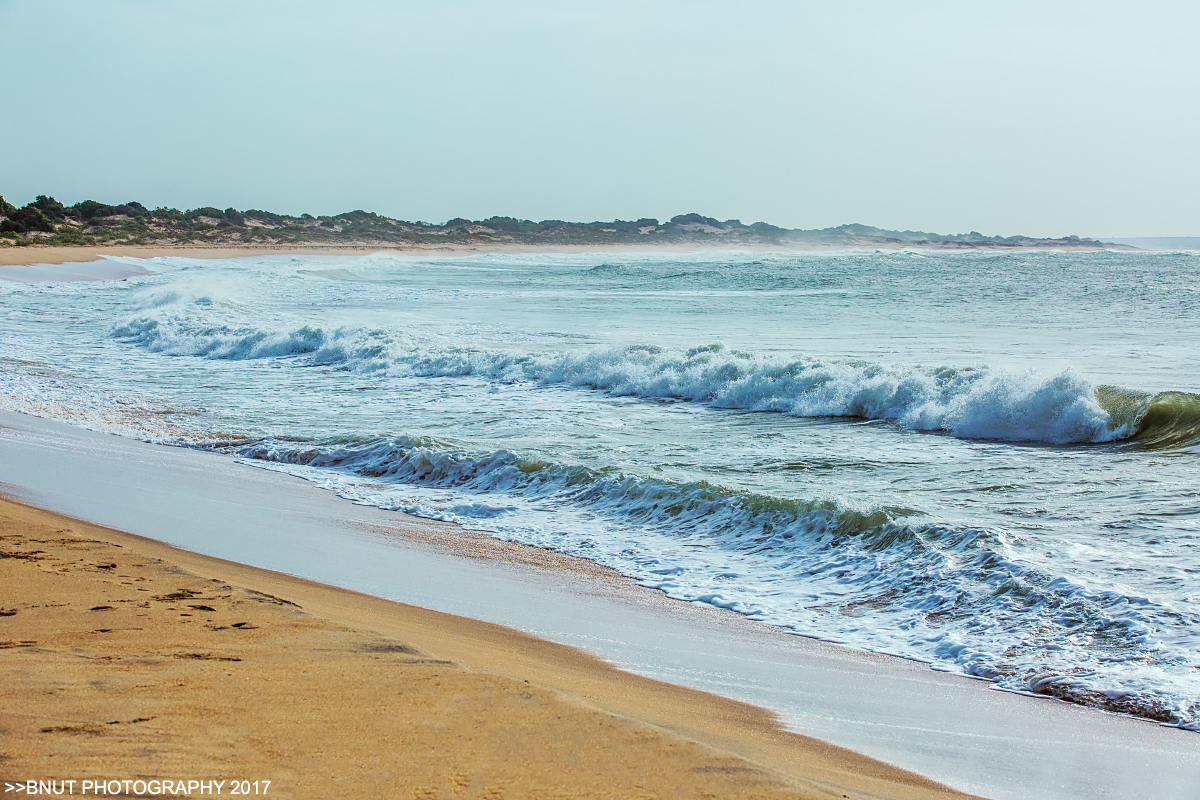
pixel 976 402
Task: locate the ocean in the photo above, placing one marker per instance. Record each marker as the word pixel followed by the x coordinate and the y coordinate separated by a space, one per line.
pixel 986 461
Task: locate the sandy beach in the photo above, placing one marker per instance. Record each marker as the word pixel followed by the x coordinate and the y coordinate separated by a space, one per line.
pixel 29 255
pixel 26 256
pixel 130 659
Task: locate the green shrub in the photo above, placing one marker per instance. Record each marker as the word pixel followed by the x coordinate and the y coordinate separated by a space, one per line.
pixel 264 216
pixel 50 208
pixel 69 237
pixel 694 219
pixel 89 210
pixel 207 211
pixel 171 214
pixel 27 219
pixel 356 217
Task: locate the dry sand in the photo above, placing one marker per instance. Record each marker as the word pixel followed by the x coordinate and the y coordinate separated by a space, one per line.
pixel 122 657
pixel 24 256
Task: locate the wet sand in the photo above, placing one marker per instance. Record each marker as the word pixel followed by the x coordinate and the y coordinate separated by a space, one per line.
pixel 126 658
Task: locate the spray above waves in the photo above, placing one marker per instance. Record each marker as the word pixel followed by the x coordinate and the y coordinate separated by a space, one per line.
pixel 884 578
pixel 976 402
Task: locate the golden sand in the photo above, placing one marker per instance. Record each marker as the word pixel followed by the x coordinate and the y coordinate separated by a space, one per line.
pixel 33 254
pixel 125 658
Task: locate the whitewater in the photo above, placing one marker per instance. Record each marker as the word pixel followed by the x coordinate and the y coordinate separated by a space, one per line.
pixel 984 461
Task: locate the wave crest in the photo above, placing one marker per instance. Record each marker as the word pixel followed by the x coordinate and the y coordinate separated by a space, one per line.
pixel 1157 421
pixel 975 402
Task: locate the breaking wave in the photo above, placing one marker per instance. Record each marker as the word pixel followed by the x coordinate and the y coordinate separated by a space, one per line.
pixel 974 402
pixel 1163 420
pixel 884 579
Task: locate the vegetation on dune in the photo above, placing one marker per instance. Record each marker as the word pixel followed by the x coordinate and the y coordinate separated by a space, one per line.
pixel 46 221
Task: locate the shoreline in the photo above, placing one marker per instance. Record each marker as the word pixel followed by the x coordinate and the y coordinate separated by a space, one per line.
pixel 665 730
pixel 948 727
pixel 35 254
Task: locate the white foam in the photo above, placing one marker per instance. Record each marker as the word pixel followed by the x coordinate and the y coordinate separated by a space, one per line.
pixel 877 579
pixel 978 402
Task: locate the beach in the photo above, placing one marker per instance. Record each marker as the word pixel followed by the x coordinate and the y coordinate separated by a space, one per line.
pixel 30 255
pixel 40 255
pixel 130 659
pixel 902 712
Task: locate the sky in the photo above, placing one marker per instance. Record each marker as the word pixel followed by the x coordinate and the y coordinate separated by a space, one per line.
pixel 1044 119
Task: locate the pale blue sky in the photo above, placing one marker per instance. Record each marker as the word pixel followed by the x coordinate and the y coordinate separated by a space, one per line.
pixel 1039 118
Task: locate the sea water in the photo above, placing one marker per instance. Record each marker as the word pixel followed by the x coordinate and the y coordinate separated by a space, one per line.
pixel 988 461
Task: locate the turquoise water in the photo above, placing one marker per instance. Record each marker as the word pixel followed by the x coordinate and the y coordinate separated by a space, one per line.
pixel 987 461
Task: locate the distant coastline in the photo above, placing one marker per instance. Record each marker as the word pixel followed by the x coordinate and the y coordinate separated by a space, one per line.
pixel 48 223
pixel 1159 242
